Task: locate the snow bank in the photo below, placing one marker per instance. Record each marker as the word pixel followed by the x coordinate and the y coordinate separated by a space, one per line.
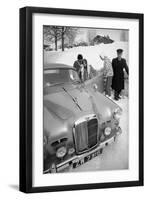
pixel 91 53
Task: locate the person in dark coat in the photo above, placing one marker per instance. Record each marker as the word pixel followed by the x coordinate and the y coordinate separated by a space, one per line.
pixel 119 65
pixel 85 73
pixel 81 67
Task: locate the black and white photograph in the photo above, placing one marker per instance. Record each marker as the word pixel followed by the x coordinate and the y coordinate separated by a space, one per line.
pixel 81 86
pixel 85 99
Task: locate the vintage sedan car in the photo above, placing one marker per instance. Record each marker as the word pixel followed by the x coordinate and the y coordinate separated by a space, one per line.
pixel 79 121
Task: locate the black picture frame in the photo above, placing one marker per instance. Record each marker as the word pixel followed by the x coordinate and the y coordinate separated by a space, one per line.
pixel 26 91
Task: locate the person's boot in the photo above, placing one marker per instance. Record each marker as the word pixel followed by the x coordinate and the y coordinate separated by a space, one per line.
pixel 119 95
pixel 116 96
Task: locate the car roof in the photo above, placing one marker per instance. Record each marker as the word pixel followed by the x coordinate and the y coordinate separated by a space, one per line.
pixel 57 66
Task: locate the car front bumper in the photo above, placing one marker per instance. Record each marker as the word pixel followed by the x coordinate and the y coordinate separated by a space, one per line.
pixel 78 160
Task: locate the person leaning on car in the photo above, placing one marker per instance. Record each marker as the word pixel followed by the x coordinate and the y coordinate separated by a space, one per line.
pixel 119 65
pixel 85 74
pixel 81 67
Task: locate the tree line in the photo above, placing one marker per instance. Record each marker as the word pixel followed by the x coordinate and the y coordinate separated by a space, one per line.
pixel 56 33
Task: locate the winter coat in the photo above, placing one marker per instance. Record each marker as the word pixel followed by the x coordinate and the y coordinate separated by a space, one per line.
pixel 118 73
pixel 77 66
pixel 81 69
pixel 108 71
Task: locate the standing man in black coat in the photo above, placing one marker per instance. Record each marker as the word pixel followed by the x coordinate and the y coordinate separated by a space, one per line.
pixel 119 65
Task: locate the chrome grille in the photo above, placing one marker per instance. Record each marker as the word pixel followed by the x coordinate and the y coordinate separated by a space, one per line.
pixel 92 126
pixel 85 133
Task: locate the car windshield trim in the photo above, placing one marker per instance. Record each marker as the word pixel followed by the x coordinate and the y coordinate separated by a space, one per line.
pixel 54 84
pixel 74 80
pixel 62 68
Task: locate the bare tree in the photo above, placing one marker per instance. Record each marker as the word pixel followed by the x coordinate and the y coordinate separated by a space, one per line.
pixel 63 31
pixel 68 32
pixel 55 33
pixel 52 33
pixel 71 34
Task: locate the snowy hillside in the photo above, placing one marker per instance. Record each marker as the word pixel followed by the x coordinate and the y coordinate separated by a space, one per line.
pixel 91 53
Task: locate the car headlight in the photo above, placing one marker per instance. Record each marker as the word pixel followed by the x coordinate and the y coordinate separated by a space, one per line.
pixel 117 113
pixel 71 151
pixel 60 153
pixel 107 131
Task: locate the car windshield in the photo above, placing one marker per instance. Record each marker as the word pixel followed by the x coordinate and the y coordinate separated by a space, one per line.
pixel 59 76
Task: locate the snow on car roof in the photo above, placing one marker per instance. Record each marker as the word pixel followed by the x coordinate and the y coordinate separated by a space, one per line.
pixel 57 65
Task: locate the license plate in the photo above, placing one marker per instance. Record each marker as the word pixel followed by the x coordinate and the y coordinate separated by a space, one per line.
pixel 77 163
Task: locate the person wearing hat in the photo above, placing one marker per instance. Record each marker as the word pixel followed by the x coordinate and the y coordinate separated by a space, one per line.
pixel 119 65
pixel 107 74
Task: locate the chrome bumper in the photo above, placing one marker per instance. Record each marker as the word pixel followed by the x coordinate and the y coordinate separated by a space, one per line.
pixel 69 163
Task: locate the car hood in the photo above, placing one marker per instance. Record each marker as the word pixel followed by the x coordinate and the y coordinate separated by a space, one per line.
pixel 71 101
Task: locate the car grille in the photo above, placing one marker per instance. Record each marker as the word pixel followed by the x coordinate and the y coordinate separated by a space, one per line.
pixel 86 133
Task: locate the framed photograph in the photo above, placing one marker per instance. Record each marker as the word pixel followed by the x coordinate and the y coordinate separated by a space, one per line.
pixel 81 99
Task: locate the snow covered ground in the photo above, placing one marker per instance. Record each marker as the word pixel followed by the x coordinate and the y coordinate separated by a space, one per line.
pixel 91 53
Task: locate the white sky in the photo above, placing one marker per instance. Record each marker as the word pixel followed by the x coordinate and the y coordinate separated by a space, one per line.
pixel 114 34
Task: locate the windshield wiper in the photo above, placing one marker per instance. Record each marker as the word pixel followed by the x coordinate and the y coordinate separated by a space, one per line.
pixel 57 84
pixel 74 100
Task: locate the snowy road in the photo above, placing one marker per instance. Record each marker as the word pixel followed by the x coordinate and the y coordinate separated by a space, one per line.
pixel 115 155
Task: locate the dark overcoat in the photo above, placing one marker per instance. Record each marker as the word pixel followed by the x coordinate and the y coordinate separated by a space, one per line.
pixel 78 68
pixel 118 73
